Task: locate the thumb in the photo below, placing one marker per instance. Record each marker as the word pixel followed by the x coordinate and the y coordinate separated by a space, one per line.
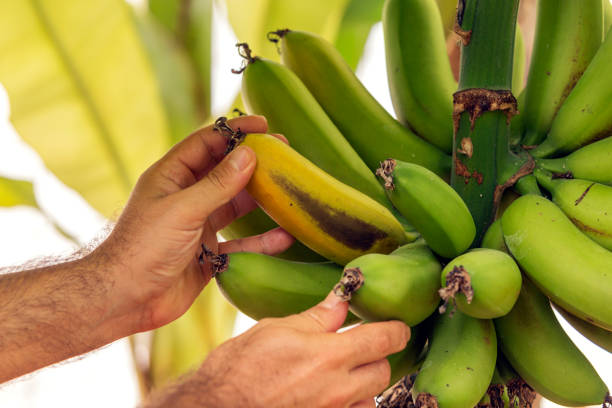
pixel 222 183
pixel 327 316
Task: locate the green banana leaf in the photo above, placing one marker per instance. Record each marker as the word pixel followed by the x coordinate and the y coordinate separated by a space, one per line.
pixel 190 23
pixel 358 19
pixel 83 93
pixel 16 192
pixel 175 75
pixel 182 345
pixel 253 19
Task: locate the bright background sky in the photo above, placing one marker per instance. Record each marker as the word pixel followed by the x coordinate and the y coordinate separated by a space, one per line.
pixel 104 378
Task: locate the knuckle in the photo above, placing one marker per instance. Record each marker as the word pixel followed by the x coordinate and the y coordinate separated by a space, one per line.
pixel 383 375
pixel 217 179
pixel 383 342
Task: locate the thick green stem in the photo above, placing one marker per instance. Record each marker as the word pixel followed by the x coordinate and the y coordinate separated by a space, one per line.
pixel 483 104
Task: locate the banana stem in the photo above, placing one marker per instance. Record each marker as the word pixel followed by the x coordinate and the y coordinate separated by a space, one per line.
pixel 483 104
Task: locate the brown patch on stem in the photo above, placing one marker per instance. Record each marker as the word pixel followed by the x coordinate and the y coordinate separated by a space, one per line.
pixel 525 170
pixel 234 137
pixel 218 262
pixel 462 171
pixel 457 281
pixel 496 393
pixel 528 147
pixel 463 34
pixel 607 401
pixel 237 112
pixel 385 172
pixel 567 175
pixel 247 58
pixel 521 392
pixel 477 101
pixel 425 400
pixel 276 36
pixel 351 280
pixel 399 395
pixel 467 147
pixel 351 231
pixel 477 176
pixel 579 199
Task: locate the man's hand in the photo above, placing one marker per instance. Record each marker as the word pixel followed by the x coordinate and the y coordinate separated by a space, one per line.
pixel 297 361
pixel 179 204
pixel 146 273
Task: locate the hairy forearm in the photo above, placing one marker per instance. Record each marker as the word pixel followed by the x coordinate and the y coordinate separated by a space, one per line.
pixel 52 313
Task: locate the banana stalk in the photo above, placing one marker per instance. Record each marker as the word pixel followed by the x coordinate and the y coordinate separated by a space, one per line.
pixel 483 104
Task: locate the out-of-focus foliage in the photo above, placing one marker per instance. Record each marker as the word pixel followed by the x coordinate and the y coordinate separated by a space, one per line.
pixel 83 93
pixel 16 192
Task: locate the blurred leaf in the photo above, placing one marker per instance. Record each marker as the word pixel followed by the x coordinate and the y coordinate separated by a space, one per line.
pixel 519 61
pixel 607 17
pixel 253 19
pixel 83 93
pixel 191 22
pixel 182 345
pixel 175 76
pixel 359 17
pixel 16 192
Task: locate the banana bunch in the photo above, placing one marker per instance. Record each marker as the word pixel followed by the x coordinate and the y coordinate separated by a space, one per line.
pixel 371 195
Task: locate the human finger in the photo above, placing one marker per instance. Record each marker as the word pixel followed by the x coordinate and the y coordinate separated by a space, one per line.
pixel 238 206
pixel 219 186
pixel 326 316
pixel 204 148
pixel 369 380
pixel 270 243
pixel 366 403
pixel 281 137
pixel 372 341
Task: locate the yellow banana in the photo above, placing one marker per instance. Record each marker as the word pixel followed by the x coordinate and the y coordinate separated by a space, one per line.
pixel 331 218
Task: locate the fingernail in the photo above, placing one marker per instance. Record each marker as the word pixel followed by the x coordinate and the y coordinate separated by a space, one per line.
pixel 331 301
pixel 240 158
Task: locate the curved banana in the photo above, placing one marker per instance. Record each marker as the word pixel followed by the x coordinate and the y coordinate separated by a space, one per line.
pixel 331 218
pixel 599 336
pixel 482 283
pixel 494 237
pixel 586 114
pixel 539 350
pixel 402 285
pixel 566 39
pixel 266 286
pixel 586 203
pixel 418 69
pixel 591 162
pixel 272 90
pixel 459 364
pixel 368 127
pixel 569 267
pixel 431 205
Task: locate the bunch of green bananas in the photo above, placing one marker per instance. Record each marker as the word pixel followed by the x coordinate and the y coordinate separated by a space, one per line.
pixel 370 194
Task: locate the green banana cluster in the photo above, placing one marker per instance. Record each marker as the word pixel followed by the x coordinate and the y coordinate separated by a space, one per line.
pixel 404 245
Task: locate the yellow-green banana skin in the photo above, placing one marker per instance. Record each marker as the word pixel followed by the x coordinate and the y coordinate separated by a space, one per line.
pixel 586 203
pixel 566 40
pixel 592 162
pixel 495 280
pixel 586 114
pixel 272 90
pixel 368 127
pixel 541 352
pixel 433 207
pixel 418 69
pixel 460 361
pixel 569 267
pixel 265 286
pixel 599 336
pixel 402 285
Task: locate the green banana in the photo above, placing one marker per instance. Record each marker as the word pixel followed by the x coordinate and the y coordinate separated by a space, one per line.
pixel 459 364
pixel 265 286
pixel 519 60
pixel 566 39
pixel 599 336
pixel 368 127
pixel 591 162
pixel 494 237
pixel 539 350
pixel 272 90
pixel 409 360
pixel 418 69
pixel 607 17
pixel 586 114
pixel 482 283
pixel 431 205
pixel 569 267
pixel 402 285
pixel 586 203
